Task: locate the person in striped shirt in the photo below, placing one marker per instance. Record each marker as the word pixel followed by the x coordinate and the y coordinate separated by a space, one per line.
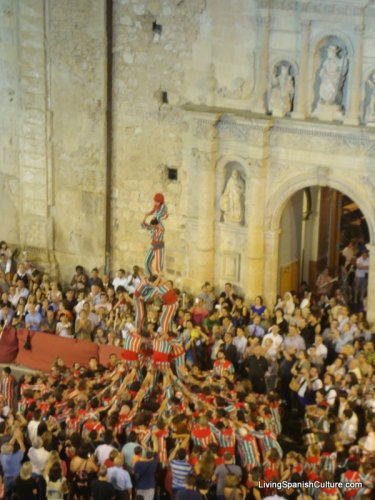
pixel 7 383
pixel 222 366
pixel 155 255
pixel 180 470
pixel 169 297
pixel 160 209
pixel 145 292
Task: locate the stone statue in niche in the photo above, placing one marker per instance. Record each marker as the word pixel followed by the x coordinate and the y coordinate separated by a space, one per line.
pixel 282 91
pixel 370 108
pixel 232 201
pixel 332 75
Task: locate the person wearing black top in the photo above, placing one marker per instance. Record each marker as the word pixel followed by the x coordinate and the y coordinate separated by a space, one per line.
pixel 101 488
pixel 26 487
pixel 307 332
pixel 256 367
pixel 230 349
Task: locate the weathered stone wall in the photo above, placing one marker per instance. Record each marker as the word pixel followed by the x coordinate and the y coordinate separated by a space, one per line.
pixel 77 54
pixel 148 134
pixel 9 136
pixel 191 91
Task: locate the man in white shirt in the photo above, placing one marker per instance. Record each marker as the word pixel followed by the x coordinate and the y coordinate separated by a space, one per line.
pixel 276 340
pixel 103 450
pixel 32 426
pixel 132 281
pixel 318 351
pixel 349 427
pixel 120 280
pixel 360 280
pixel 38 456
pixel 21 291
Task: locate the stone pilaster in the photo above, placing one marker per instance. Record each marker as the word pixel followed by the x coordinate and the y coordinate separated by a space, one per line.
pixel 271 247
pixel 33 228
pixel 263 27
pixel 204 245
pixel 300 102
pixel 371 285
pixel 255 194
pixel 354 111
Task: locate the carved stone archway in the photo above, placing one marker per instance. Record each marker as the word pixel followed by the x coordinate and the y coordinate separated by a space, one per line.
pixel 357 191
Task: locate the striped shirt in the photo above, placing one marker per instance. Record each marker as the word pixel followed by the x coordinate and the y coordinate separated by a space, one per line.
pixel 147 291
pixel 157 233
pixel 180 469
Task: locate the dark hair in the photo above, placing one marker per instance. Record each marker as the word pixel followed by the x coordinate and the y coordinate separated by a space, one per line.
pixel 55 472
pixel 108 437
pixel 84 451
pixel 181 454
pixel 137 450
pixel 154 222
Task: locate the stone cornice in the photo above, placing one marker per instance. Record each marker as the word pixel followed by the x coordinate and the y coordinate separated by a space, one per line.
pixel 321 136
pixel 247 127
pixel 342 7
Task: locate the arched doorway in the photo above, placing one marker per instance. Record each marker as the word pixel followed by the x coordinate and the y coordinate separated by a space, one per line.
pixel 317 224
pixel 357 191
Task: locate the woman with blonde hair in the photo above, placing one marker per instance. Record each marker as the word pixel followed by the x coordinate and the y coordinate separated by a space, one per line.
pixel 25 487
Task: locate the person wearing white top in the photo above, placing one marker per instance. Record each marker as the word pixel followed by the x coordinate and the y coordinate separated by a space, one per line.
pixel 276 339
pixel 360 280
pixel 38 456
pixel 368 443
pixel 32 426
pixel 103 450
pixel 120 280
pixel 240 342
pixel 132 281
pixel 349 427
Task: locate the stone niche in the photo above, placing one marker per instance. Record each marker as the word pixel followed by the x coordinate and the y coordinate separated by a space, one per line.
pixel 369 100
pixel 330 77
pixel 281 88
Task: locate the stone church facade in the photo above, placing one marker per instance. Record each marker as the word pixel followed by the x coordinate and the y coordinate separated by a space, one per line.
pixel 247 100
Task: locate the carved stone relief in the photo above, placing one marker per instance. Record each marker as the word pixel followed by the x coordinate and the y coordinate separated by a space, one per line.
pixel 208 87
pixel 323 141
pixel 230 266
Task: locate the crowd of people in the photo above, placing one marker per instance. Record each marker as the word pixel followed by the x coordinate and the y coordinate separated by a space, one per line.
pixel 194 406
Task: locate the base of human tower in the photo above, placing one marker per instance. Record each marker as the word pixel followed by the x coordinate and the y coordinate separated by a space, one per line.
pixel 161 353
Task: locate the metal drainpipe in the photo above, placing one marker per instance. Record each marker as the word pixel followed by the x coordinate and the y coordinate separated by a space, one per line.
pixel 108 177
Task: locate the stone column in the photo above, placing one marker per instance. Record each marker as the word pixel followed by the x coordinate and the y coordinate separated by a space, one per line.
pixel 271 261
pixel 202 267
pixel 354 111
pixel 371 285
pixel 256 185
pixel 263 28
pixel 300 101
